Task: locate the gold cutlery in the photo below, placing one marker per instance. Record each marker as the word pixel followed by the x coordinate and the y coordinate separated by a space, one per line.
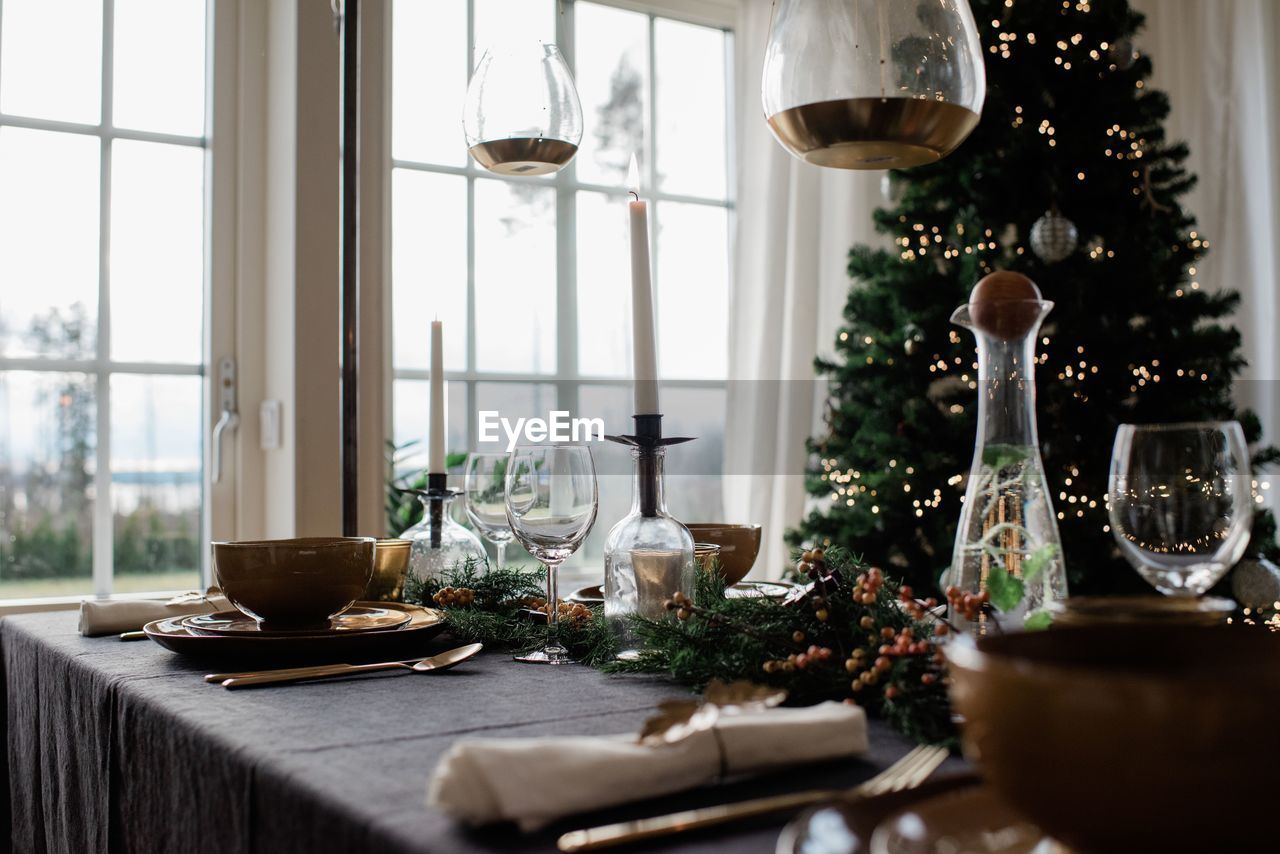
pixel 433 664
pixel 132 636
pixel 219 678
pixel 908 772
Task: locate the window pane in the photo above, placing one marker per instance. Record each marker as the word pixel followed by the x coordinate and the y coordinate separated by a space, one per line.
pixel 51 59
pixel 504 20
pixel 604 286
pixel 511 401
pixel 156 481
pixel 693 291
pixel 613 469
pixel 692 132
pixel 693 474
pixel 47 430
pixel 515 225
pixel 412 419
pixel 158 75
pixel 612 47
pixel 48 243
pixel 157 252
pixel 428 267
pixel 428 81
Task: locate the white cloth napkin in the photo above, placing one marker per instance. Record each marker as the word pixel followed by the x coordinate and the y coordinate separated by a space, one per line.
pixel 109 617
pixel 533 781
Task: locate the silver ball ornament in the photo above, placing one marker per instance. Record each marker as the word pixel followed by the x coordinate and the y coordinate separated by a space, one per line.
pixel 1054 237
pixel 1122 53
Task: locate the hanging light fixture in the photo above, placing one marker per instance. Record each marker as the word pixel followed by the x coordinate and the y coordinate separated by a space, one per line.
pixel 872 84
pixel 522 115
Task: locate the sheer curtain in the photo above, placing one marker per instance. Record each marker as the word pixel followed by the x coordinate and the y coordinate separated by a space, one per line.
pixel 1217 59
pixel 795 224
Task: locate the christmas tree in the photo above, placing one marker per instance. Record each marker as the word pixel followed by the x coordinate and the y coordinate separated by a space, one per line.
pixel 1069 179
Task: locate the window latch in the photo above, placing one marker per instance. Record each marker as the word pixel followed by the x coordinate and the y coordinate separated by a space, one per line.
pixel 228 418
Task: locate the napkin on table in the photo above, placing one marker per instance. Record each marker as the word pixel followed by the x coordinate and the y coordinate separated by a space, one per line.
pixel 533 781
pixel 109 617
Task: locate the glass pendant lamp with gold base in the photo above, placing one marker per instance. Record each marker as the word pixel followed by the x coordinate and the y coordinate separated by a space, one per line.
pixel 872 84
pixel 522 115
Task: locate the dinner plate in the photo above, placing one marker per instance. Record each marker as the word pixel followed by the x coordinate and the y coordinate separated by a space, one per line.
pixel 846 826
pixel 423 624
pixel 366 617
pixel 973 820
pixel 594 594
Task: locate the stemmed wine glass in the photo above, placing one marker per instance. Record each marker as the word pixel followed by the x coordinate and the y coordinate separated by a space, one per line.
pixel 484 491
pixel 1180 502
pixel 551 503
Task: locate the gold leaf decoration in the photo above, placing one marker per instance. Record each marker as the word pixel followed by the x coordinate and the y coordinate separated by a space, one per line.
pixel 678 719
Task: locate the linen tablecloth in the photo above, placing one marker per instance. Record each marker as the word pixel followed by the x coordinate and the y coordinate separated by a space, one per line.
pixel 120 746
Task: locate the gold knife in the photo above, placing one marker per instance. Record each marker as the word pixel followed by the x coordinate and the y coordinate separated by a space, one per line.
pixel 219 678
pixel 908 772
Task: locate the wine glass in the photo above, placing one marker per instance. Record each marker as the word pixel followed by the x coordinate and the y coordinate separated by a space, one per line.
pixel 484 491
pixel 551 498
pixel 1180 502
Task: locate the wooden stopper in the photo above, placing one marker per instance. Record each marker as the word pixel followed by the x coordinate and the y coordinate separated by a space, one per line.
pixel 1005 304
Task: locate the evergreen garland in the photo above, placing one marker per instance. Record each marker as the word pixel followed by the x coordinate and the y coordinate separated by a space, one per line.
pixel 778 643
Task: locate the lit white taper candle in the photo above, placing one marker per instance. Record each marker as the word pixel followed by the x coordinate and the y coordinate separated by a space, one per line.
pixel 435 455
pixel 643 343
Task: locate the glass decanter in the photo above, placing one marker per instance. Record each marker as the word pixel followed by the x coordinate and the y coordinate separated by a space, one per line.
pixel 439 542
pixel 1007 544
pixel 648 555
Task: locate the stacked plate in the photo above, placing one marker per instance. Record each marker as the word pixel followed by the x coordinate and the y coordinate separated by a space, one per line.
pixel 364 628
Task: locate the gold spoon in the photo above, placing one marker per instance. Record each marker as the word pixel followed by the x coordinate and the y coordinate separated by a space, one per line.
pixel 433 664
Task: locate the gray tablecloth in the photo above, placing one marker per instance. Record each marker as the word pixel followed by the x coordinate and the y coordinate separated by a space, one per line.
pixel 116 746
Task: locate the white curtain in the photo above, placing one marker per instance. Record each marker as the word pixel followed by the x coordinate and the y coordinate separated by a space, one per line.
pixel 1217 59
pixel 795 225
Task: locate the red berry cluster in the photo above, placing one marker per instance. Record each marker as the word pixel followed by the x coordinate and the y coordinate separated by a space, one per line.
pixel 813 563
pixel 968 605
pixel 681 604
pixel 920 610
pixel 799 661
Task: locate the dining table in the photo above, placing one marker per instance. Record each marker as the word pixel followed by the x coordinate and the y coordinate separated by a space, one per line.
pixel 121 746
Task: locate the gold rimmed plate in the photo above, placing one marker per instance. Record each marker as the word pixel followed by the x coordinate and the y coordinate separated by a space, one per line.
pixel 366 617
pixel 422 625
pixel 973 819
pixel 847 826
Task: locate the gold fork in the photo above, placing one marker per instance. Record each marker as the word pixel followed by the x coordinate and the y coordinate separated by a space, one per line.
pixel 908 772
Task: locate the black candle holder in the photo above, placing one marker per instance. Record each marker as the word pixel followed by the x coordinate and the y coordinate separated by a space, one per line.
pixel 647 440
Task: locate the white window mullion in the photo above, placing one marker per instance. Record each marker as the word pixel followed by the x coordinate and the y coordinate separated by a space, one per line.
pixel 103 515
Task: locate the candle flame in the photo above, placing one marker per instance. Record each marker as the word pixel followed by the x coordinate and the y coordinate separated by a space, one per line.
pixel 633 176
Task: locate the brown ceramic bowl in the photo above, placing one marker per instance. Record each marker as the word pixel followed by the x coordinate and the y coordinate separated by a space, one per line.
pixel 390 568
pixel 1124 738
pixel 739 545
pixel 291 584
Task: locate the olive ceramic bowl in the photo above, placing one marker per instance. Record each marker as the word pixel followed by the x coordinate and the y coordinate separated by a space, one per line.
pixel 294 584
pixel 739 545
pixel 1126 738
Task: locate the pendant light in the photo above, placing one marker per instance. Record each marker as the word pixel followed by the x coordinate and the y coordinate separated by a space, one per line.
pixel 522 115
pixel 872 84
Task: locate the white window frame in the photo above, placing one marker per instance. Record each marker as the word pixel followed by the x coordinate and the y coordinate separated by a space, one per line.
pixel 219 145
pixel 567 378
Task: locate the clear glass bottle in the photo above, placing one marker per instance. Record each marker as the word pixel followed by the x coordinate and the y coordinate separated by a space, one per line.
pixel 1007 544
pixel 439 542
pixel 648 555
